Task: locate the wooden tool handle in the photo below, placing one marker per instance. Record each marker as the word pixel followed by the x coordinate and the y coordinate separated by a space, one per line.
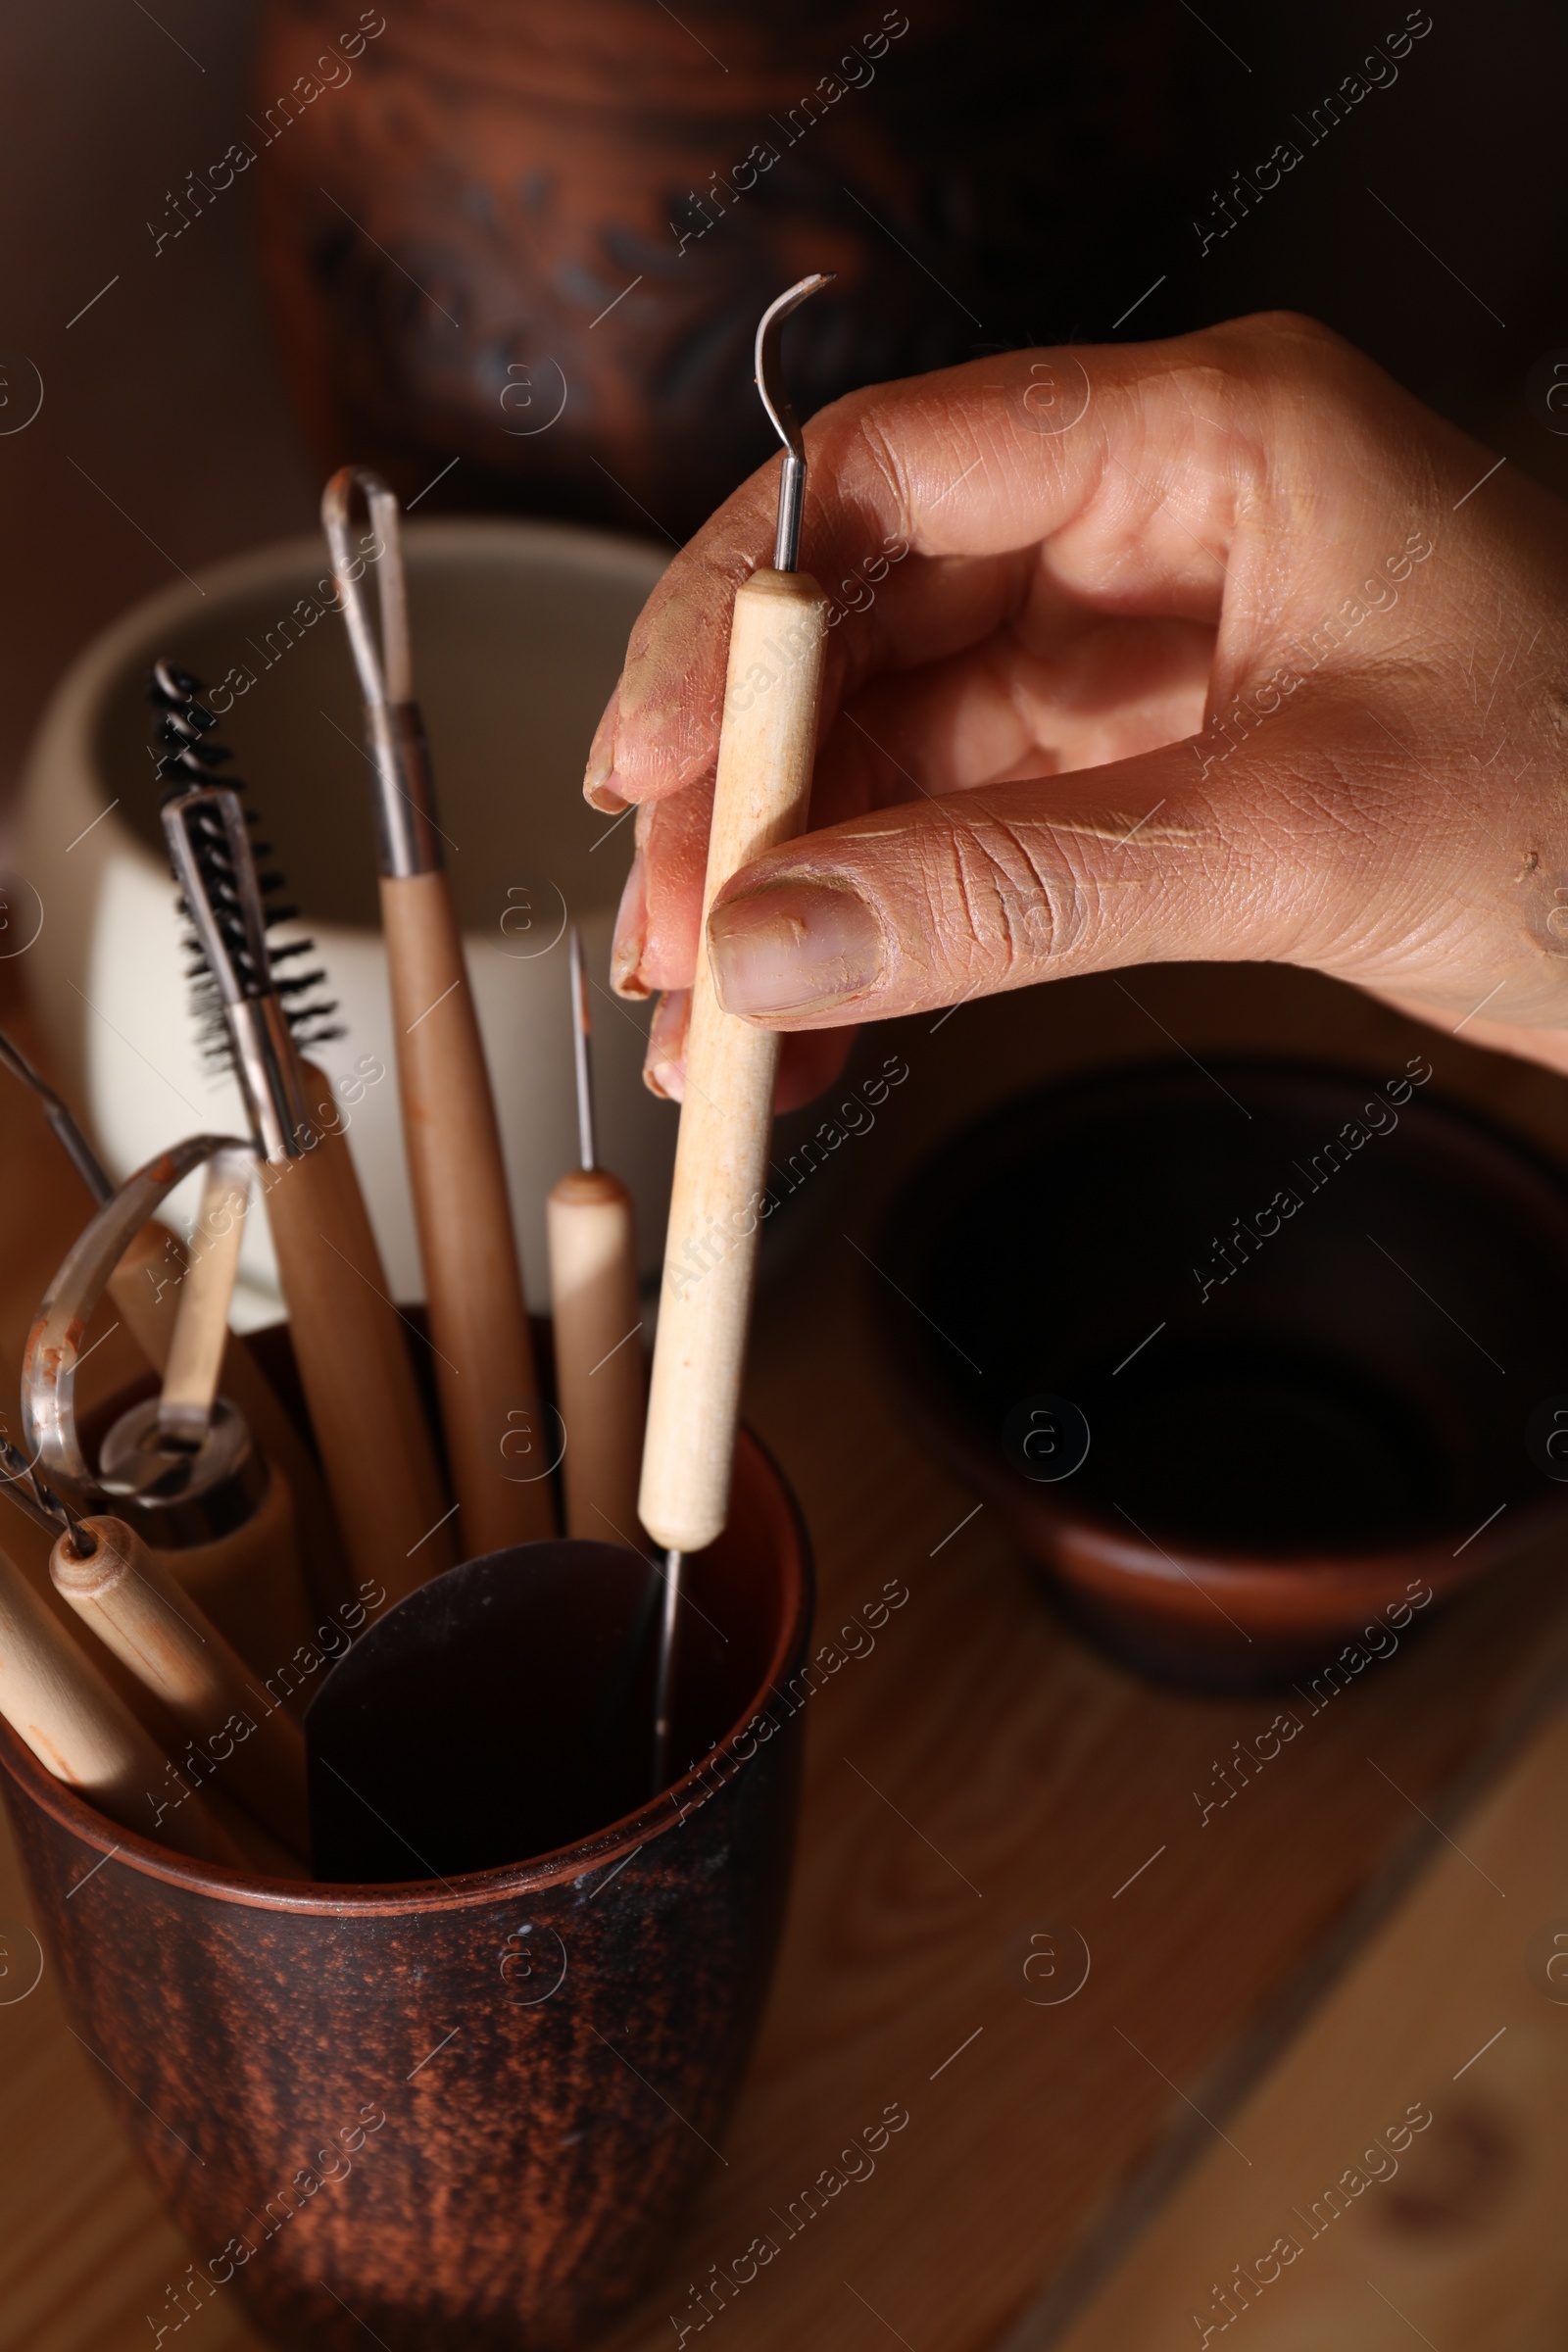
pixel 201 1325
pixel 766 755
pixel 272 1614
pixel 485 1369
pixel 251 1582
pixel 55 1699
pixel 351 1345
pixel 599 1357
pixel 146 1285
pixel 133 1601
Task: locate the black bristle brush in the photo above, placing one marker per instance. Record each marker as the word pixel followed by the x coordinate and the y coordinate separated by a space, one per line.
pixel 187 757
pixel 349 1343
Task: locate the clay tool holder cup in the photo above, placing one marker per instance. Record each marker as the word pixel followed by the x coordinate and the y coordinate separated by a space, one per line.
pixel 1338 1424
pixel 477 2104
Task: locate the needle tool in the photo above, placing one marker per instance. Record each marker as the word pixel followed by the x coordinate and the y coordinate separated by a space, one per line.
pixel 598 1318
pixel 765 751
pixel 486 1376
pixel 348 1335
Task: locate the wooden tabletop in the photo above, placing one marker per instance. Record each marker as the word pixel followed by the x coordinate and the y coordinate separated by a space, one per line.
pixel 979 1778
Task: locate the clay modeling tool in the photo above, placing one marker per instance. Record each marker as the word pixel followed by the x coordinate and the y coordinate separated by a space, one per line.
pixel 222 1512
pixel 598 1319
pixel 348 1335
pixel 56 1700
pixel 766 746
pixel 486 1377
pixel 147 1286
pixel 127 1594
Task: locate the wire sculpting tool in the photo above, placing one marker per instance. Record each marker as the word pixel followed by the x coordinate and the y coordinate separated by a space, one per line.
pixel 348 1335
pixel 486 1376
pixel 766 748
pixel 598 1318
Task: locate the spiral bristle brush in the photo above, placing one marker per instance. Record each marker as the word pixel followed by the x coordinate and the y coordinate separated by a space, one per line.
pixel 190 758
pixel 349 1341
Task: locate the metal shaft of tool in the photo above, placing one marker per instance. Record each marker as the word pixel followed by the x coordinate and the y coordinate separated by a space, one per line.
pixel 84 1158
pixel 674 1561
pixel 781 412
pixel 582 1030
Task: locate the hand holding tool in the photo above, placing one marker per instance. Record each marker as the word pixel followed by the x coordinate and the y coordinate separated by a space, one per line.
pixel 486 1375
pixel 766 748
pixel 598 1319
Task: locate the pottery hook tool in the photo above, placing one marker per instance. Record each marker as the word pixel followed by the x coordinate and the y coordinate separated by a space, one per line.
pixel 348 1334
pixel 487 1380
pixel 766 746
pixel 598 1318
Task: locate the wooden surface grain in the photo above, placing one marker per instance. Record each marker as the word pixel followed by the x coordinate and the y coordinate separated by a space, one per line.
pixel 976 1777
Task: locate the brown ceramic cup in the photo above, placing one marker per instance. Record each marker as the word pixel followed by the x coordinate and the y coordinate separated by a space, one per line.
pixel 1259 1363
pixel 464 2111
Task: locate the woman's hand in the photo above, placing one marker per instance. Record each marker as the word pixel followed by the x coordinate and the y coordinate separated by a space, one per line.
pixel 1218 648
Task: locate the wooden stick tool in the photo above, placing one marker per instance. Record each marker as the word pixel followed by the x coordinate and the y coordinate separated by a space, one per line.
pixel 766 748
pixel 132 1604
pixel 486 1375
pixel 598 1317
pixel 56 1701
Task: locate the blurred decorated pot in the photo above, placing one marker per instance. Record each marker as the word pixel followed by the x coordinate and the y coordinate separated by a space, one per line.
pixel 518 253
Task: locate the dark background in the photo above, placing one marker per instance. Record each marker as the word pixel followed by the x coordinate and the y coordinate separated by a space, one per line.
pixel 166 436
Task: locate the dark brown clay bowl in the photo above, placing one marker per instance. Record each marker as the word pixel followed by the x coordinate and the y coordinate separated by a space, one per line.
pixel 1247 1357
pixel 466 2111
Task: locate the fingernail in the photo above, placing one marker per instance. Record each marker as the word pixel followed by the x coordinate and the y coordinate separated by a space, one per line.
pixel 631 935
pixel 664 1065
pixel 598 789
pixel 794 947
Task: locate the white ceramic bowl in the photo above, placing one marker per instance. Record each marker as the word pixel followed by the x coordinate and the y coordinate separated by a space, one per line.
pixel 518 631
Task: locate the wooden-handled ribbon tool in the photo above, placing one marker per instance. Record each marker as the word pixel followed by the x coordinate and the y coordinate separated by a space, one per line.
pixel 766 748
pixel 487 1380
pixel 598 1320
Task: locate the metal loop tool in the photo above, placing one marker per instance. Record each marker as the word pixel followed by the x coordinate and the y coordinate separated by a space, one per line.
pixel 408 837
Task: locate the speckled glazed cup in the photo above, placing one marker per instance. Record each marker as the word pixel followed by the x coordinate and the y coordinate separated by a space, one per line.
pixel 464 2112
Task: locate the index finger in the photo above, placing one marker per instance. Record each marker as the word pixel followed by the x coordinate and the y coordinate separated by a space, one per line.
pixel 1112 475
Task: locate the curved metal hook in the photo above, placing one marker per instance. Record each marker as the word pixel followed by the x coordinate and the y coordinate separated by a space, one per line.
pixel 781 414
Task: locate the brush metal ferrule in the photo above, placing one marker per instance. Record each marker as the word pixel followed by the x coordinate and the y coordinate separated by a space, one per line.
pixel 268 1065
pixel 406 839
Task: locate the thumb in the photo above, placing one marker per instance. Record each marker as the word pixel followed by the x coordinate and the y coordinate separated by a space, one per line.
pixel 934 900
